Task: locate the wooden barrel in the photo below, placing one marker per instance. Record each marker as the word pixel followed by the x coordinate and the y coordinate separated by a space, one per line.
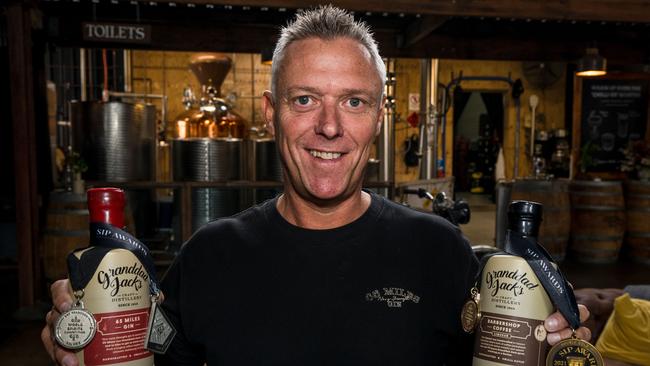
pixel 598 222
pixel 637 236
pixel 66 229
pixel 556 221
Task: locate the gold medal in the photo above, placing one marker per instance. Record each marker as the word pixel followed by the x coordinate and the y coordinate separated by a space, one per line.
pixel 470 315
pixel 574 352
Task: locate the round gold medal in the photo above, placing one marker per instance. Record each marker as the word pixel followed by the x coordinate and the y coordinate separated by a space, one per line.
pixel 574 352
pixel 75 328
pixel 470 316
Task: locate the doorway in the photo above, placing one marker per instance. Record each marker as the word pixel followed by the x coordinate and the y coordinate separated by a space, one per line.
pixel 478 136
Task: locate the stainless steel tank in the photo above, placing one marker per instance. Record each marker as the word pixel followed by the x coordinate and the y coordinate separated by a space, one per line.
pixel 116 139
pixel 264 166
pixel 267 165
pixel 209 160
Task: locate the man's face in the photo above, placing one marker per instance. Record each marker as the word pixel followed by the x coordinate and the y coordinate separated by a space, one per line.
pixel 326 114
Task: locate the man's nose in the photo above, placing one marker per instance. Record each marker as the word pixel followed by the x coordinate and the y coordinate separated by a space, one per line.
pixel 329 124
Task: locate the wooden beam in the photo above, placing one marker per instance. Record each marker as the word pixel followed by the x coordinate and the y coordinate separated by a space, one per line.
pixel 601 10
pixel 508 48
pixel 251 39
pixel 19 35
pixel 422 29
pixel 239 30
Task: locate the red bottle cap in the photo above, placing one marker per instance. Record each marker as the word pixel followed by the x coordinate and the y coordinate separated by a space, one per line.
pixel 106 205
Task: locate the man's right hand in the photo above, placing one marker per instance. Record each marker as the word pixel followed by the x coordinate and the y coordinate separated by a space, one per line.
pixel 62 299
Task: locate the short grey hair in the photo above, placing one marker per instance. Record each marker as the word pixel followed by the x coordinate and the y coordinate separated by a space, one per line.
pixel 325 22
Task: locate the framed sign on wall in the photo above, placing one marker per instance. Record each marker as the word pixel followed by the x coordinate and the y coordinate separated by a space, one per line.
pixel 609 113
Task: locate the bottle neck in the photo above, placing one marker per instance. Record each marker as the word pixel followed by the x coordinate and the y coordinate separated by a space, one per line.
pixel 525 217
pixel 106 205
pixel 528 228
pixel 111 216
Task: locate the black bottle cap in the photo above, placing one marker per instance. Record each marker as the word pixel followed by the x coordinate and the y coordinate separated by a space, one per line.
pixel 525 217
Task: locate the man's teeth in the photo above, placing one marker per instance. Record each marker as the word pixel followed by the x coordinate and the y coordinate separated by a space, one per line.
pixel 325 155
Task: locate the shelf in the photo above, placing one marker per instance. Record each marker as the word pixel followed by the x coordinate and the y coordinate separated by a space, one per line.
pixel 185 194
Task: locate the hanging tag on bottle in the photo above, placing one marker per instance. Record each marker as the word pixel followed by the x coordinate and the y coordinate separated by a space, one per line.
pixel 160 331
pixel 470 316
pixel 75 328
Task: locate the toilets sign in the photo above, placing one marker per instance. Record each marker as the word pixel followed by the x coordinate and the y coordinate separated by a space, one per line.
pixel 116 32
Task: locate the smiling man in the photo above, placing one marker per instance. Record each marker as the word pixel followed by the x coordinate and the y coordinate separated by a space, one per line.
pixel 325 111
pixel 326 273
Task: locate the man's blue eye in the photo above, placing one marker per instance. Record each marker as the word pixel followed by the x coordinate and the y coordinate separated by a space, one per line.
pixel 303 100
pixel 355 102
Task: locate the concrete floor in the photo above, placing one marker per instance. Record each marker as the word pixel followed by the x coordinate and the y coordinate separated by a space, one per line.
pixel 480 230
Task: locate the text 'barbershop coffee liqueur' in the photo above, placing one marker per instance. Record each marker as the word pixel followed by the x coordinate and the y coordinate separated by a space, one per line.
pixel 117 290
pixel 513 306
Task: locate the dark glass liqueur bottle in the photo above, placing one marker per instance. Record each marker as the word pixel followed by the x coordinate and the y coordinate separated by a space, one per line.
pixel 513 304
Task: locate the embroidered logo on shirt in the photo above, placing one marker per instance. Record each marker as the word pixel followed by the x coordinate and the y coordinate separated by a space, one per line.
pixel 394 297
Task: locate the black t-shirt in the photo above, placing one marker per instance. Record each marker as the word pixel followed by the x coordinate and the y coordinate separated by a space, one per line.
pixel 386 289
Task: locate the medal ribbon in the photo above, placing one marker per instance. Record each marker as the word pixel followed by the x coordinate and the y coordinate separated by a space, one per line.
pixel 551 278
pixel 103 239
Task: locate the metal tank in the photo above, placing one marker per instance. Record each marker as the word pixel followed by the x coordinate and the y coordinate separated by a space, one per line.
pixel 267 161
pixel 116 139
pixel 209 160
pixel 264 166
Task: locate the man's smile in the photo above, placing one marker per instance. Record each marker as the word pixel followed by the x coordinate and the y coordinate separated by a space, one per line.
pixel 326 155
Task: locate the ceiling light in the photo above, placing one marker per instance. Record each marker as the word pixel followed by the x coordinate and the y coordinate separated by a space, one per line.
pixel 592 64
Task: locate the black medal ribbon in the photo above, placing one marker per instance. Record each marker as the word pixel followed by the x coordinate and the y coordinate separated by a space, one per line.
pixel 104 238
pixel 552 280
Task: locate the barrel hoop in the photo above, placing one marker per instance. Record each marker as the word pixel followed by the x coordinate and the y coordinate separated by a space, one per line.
pixel 60 232
pixel 539 187
pixel 532 186
pixel 594 250
pixel 556 208
pixel 596 194
pixel 597 237
pixel 598 208
pixel 638 183
pixel 596 184
pixel 638 209
pixel 75 212
pixel 637 234
pixel 68 198
pixel 639 196
pixel 553 238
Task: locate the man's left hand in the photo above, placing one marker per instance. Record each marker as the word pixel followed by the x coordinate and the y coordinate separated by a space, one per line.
pixel 558 327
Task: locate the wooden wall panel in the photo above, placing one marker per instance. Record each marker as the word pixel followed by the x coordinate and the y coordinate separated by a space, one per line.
pixel 19 31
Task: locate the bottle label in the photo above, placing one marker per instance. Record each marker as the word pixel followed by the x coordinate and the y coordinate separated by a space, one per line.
pixel 120 338
pixel 510 340
pixel 513 307
pixel 118 296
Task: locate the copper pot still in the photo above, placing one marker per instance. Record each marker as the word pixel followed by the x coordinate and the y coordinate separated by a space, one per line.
pixel 210 116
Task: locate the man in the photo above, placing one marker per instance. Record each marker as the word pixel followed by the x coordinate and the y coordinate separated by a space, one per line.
pixel 327 273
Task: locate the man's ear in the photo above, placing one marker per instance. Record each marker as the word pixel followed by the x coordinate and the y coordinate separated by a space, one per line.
pixel 268 110
pixel 380 116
